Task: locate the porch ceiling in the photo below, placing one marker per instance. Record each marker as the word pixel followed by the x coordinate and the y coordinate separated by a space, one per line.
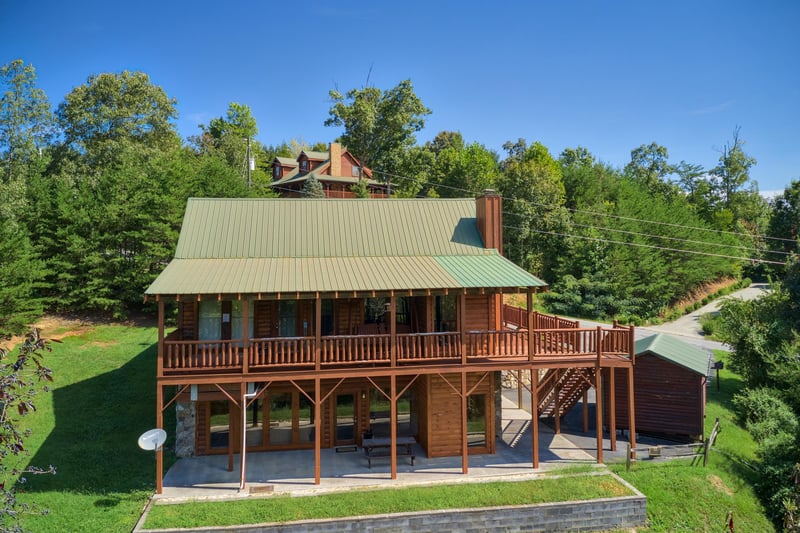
pixel 343 274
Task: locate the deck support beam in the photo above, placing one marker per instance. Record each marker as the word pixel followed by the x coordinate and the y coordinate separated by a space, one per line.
pixel 160 399
pixel 317 431
pixel 612 409
pixel 598 401
pixel 393 420
pixel 535 416
pixel 631 413
pixel 464 432
pixel 557 413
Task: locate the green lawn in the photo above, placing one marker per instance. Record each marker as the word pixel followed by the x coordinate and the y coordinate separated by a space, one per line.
pixel 103 398
pixel 686 497
pixel 360 503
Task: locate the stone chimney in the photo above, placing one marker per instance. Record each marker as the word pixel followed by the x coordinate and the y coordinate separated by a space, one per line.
pixel 489 214
pixel 336 159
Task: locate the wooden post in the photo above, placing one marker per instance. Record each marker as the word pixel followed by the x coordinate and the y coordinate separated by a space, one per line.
pixel 631 413
pixel 159 425
pixel 462 325
pixel 317 430
pixel 393 330
pixel 318 333
pixel 393 422
pixel 598 393
pixel 464 429
pixel 161 347
pixel 243 409
pixel 530 326
pixel 160 398
pixel 245 342
pixel 230 437
pixel 612 409
pixel 519 389
pixel 535 415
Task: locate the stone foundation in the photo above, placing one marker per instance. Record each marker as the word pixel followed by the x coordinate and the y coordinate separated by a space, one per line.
pixel 185 425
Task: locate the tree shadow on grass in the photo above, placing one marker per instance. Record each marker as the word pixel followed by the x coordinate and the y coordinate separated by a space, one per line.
pixel 97 424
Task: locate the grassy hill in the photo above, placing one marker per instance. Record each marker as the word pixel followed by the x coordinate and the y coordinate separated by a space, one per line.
pixel 103 398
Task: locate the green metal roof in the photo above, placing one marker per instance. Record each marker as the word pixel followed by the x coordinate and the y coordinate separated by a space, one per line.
pixel 674 350
pixel 326 245
pixel 316 156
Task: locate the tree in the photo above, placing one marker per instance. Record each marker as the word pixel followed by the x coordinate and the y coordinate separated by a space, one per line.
pixel 785 221
pixel 21 380
pixel 463 170
pixel 21 272
pixel 733 171
pixel 312 188
pixel 378 125
pixel 25 119
pixel 360 189
pixel 649 166
pixel 533 189
pixel 110 109
pixel 445 139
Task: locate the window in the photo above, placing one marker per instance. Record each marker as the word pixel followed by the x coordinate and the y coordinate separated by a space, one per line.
pixel 304 165
pixel 355 171
pixel 210 326
pixel 276 172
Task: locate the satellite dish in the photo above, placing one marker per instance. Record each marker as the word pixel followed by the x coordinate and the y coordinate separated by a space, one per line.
pixel 152 439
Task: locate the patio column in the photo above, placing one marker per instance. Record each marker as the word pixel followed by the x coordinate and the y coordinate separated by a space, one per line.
pixel 631 413
pixel 160 398
pixel 393 418
pixel 598 393
pixel 317 430
pixel 317 332
pixel 243 398
pixel 530 317
pixel 245 337
pixel 464 430
pixel 535 415
pixel 612 408
pixel 462 324
pixel 393 330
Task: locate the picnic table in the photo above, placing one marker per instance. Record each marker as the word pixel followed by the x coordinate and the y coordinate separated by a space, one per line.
pixel 380 447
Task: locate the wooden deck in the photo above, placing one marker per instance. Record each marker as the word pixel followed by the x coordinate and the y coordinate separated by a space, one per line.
pixel 181 357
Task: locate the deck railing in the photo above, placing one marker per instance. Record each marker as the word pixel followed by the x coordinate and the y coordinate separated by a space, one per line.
pixel 518 317
pixel 188 356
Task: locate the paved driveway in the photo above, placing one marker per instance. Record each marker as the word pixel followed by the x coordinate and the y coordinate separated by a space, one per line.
pixel 688 327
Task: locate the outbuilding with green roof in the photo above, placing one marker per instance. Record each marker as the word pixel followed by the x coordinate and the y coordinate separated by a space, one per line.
pixel 670 377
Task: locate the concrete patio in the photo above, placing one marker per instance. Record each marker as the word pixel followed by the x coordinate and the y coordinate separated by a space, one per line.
pixel 292 472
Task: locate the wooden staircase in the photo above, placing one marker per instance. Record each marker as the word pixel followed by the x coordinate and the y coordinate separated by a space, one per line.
pixel 568 384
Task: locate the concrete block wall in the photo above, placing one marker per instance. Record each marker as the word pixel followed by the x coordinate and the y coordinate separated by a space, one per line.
pixel 594 515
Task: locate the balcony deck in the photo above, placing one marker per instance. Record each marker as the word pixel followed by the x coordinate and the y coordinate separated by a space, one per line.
pixel 585 345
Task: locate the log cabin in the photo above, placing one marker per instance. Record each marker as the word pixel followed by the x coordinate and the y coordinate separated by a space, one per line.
pixel 337 170
pixel 310 323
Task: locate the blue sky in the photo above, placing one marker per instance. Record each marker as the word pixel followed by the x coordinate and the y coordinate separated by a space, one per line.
pixel 609 76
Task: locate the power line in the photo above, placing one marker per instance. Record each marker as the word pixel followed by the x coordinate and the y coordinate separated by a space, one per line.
pixel 641 245
pixel 596 213
pixel 689 241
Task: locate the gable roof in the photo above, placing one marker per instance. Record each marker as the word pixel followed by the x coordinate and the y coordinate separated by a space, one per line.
pixel 674 350
pixel 286 161
pixel 315 156
pixel 324 245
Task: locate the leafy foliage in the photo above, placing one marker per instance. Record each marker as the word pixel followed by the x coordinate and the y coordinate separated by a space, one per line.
pixel 378 125
pixel 21 380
